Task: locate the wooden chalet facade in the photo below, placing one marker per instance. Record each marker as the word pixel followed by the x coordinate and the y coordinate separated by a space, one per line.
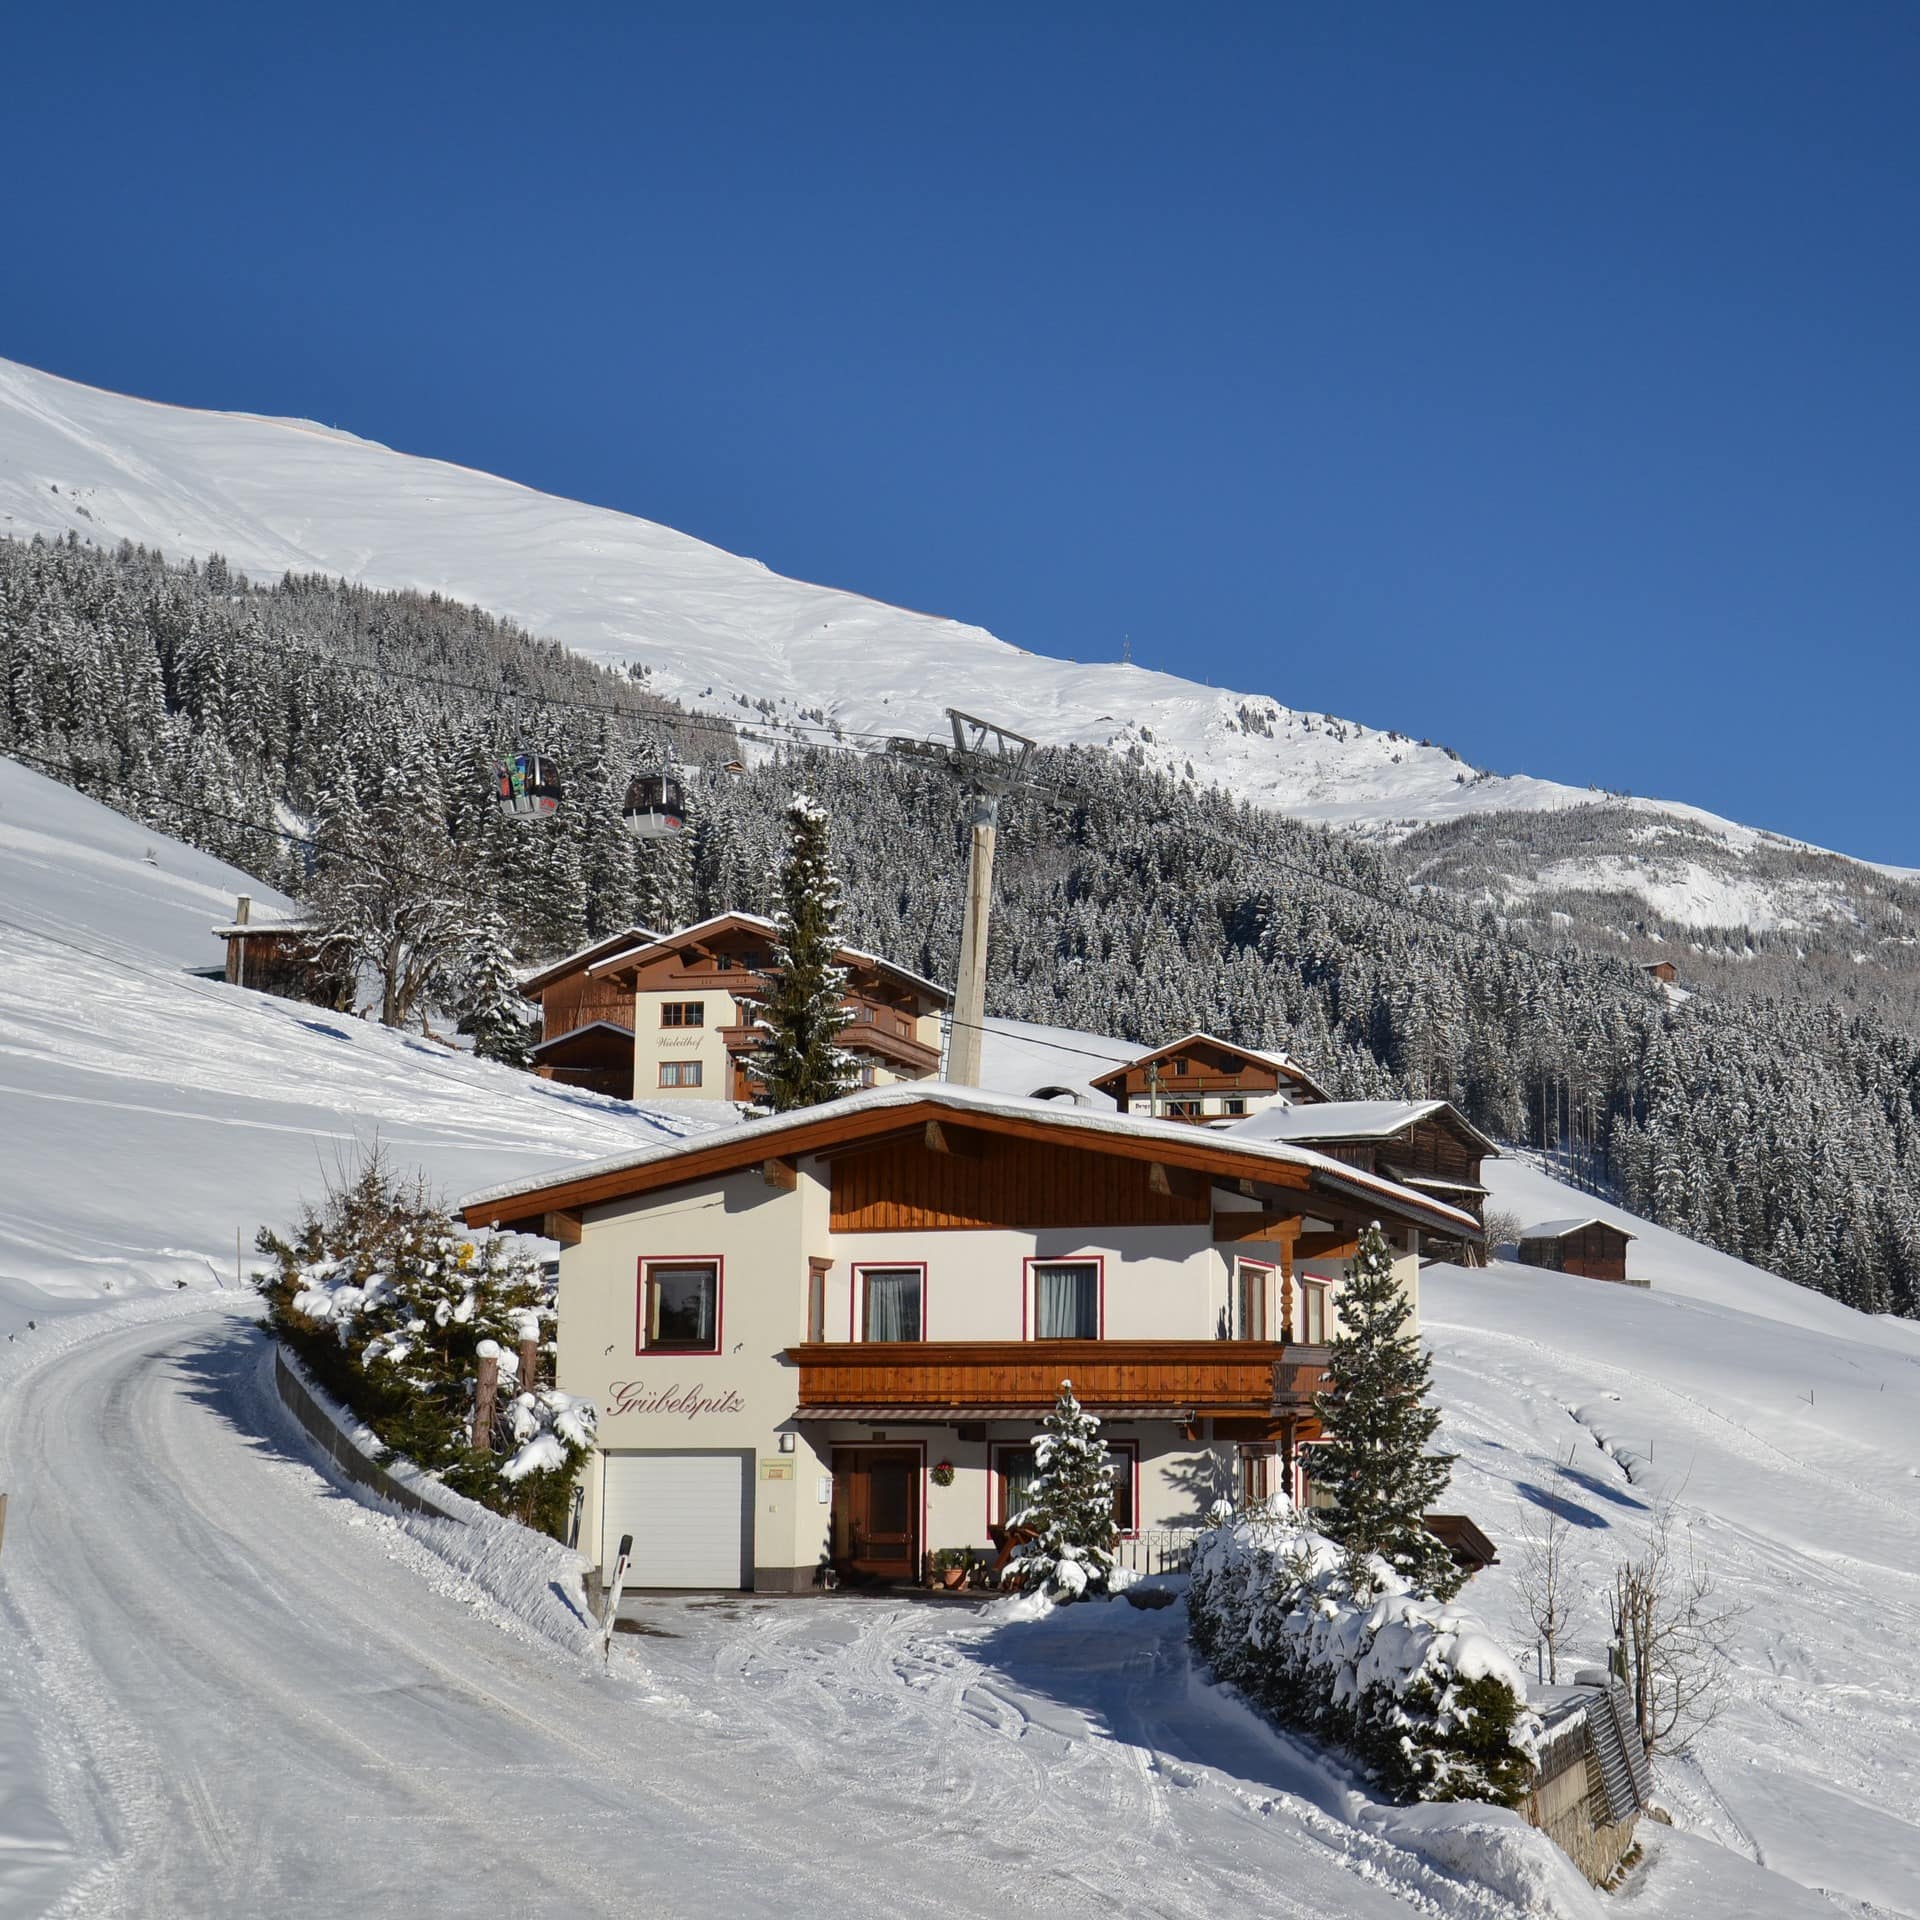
pixel 692 999
pixel 1593 1249
pixel 1427 1145
pixel 825 1340
pixel 1208 1081
pixel 586 1021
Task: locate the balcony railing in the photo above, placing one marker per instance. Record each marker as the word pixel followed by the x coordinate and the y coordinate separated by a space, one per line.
pixel 985 1379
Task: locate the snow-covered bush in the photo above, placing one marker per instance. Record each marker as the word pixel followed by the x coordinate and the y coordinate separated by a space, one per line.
pixel 1415 1688
pixel 392 1304
pixel 1069 1509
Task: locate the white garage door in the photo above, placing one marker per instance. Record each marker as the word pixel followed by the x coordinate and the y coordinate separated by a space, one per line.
pixel 687 1513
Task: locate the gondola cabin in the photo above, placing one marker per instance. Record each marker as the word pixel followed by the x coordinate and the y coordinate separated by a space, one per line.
pixel 656 806
pixel 527 787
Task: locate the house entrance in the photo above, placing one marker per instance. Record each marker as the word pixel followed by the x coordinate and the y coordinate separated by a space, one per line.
pixel 876 1512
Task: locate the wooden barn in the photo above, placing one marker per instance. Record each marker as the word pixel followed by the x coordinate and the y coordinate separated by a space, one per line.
pixel 1662 970
pixel 271 955
pixel 1594 1249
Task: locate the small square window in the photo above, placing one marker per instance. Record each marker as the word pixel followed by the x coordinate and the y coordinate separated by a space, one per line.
pixel 683 1013
pixel 679 1306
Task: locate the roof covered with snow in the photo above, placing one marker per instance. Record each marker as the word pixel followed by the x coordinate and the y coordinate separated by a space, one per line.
pixel 627 938
pixel 765 1136
pixel 649 943
pixel 1282 1062
pixel 1353 1120
pixel 1559 1229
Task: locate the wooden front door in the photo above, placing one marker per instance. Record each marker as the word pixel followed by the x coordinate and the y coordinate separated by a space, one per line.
pixel 876 1512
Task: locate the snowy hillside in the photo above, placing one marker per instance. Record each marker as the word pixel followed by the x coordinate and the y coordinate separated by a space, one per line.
pixel 714 630
pixel 152 1116
pixel 1782 1426
pixel 1074 1767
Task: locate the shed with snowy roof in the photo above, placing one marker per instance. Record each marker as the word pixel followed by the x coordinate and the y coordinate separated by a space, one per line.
pixel 1593 1248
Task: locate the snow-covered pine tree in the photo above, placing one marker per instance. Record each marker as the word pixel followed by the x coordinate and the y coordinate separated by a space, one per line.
pixel 1374 1461
pixel 492 1008
pixel 799 1063
pixel 391 895
pixel 1069 1509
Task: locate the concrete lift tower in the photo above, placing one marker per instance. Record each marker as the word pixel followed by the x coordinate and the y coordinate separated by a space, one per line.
pixel 991 760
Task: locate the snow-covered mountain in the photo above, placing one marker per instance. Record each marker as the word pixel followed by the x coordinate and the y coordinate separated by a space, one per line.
pixel 714 630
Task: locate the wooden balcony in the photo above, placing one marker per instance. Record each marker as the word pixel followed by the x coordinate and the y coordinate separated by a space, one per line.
pixel 1181 1380
pixel 912 1059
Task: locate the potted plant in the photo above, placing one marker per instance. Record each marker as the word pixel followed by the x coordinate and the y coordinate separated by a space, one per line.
pixel 951 1566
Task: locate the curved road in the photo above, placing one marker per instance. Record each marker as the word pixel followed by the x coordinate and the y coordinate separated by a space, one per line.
pixel 250 1695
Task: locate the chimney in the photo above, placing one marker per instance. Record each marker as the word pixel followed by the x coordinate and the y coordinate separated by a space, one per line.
pixel 243 909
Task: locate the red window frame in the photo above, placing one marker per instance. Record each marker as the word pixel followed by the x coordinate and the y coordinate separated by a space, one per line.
pixel 858 1306
pixel 1267 1306
pixel 716 1261
pixel 1324 1284
pixel 1029 1312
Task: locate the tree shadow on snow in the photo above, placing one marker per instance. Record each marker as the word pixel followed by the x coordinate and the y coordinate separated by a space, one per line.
pixel 1570 1511
pixel 1595 1485
pixel 1125 1673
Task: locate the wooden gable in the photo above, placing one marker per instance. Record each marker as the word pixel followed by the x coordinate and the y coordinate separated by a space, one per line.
pixel 984 1180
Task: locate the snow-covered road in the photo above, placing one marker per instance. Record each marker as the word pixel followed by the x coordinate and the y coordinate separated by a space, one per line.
pixel 249 1694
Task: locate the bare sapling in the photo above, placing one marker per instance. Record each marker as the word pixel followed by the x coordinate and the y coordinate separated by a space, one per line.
pixel 1669 1631
pixel 1544 1583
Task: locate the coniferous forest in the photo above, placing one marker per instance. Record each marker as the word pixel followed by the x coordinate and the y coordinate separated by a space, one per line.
pixel 306 727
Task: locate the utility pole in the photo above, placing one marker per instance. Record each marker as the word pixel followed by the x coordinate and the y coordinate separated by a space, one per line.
pixel 991 760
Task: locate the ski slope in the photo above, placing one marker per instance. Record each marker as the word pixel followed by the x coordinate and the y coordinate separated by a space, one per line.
pixel 273 495
pixel 155 1120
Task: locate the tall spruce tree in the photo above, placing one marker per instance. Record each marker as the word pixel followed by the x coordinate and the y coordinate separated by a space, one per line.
pixel 492 1007
pixel 1374 1460
pixel 1069 1509
pixel 799 1063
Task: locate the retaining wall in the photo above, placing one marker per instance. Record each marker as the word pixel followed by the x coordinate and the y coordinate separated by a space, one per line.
pixel 310 1407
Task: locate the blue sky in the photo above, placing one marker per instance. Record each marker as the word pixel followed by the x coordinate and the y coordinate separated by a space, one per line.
pixel 1539 380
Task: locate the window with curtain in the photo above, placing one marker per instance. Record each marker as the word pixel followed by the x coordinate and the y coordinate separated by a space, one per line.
pixel 893 1302
pixel 1066 1300
pixel 682 1306
pixel 1015 1471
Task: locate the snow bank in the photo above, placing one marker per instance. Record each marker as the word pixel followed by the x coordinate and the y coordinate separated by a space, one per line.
pixel 1496 1848
pixel 1418 1689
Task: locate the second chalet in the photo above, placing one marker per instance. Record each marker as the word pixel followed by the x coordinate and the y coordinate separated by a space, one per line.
pixel 646 1016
